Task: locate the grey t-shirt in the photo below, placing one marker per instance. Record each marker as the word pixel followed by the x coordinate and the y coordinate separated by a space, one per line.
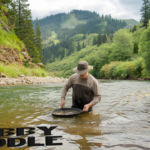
pixel 84 90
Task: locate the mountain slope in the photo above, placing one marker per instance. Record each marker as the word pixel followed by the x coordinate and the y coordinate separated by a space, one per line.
pixel 58 30
pixel 130 23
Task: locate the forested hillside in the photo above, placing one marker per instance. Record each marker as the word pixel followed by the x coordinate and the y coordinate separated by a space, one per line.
pixel 124 55
pixel 58 30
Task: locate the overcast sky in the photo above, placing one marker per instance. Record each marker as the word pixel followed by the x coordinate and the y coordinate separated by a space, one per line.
pixel 119 9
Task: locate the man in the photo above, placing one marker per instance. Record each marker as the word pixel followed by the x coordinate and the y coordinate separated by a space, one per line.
pixel 85 88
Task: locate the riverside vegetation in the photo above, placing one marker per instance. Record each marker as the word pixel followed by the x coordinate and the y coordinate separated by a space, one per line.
pixel 124 54
pixel 124 57
pixel 20 45
pixel 113 47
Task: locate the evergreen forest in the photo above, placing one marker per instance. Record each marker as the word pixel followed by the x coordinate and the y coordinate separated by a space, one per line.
pixel 115 53
pixel 16 20
pixel 58 30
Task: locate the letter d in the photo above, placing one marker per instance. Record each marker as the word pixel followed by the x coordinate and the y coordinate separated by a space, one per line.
pixel 11 142
pixel 2 142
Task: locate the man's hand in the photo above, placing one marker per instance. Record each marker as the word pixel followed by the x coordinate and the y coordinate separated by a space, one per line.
pixel 87 106
pixel 62 105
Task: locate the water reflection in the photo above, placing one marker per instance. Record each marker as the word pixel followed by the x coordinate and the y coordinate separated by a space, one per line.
pixel 85 125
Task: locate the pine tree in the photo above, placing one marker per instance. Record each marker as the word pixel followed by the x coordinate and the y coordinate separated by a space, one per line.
pixel 135 50
pixel 83 46
pixel 134 28
pixel 12 13
pixel 145 12
pixel 78 47
pixel 104 38
pixel 38 38
pixel 24 29
pixel 94 41
pixel 99 39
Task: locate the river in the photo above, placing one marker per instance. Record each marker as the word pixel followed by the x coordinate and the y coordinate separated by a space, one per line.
pixel 120 121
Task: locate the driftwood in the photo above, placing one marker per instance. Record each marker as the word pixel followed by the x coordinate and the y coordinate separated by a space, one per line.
pixel 4 25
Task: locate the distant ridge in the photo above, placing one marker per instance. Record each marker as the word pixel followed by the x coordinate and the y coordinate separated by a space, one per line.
pixel 130 23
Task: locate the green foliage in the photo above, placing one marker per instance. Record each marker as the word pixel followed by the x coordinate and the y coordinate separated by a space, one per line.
pixel 21 56
pixel 65 66
pixel 130 23
pixel 135 50
pixel 99 39
pixel 122 70
pixel 26 63
pixel 4 19
pixel 24 30
pixel 10 40
pixel 122 46
pixel 107 70
pixel 96 56
pixel 4 8
pixel 78 47
pixel 10 71
pixel 144 48
pixel 72 24
pixel 101 57
pixel 70 21
pixel 38 40
pixel 145 12
pixel 66 47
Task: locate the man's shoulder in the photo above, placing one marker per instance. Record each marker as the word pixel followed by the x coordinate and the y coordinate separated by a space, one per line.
pixel 74 76
pixel 93 79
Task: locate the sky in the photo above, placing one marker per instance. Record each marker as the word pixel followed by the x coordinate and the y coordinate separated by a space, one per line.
pixel 119 9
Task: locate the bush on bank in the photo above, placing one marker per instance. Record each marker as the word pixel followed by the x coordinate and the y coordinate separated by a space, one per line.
pixel 123 70
pixel 15 71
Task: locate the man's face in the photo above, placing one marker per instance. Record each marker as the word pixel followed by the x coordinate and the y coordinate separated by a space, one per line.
pixel 84 75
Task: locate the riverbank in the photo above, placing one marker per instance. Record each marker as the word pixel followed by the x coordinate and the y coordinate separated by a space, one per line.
pixel 25 80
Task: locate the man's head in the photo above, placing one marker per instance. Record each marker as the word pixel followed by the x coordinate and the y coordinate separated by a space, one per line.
pixel 82 68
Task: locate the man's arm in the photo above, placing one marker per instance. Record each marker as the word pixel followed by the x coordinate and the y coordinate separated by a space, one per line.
pixel 65 89
pixel 96 91
pixel 96 99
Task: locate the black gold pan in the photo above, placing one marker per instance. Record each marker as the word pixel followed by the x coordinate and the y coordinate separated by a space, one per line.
pixel 66 112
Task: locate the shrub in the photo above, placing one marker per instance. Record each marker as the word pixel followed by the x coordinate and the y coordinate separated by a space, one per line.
pixel 123 70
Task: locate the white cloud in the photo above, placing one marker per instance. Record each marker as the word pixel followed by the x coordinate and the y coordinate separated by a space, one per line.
pixel 117 8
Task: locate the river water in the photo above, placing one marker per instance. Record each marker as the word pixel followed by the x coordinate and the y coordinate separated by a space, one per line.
pixel 121 121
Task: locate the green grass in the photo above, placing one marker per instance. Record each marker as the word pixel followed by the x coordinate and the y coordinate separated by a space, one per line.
pixel 70 21
pixel 10 40
pixel 14 71
pixel 50 39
